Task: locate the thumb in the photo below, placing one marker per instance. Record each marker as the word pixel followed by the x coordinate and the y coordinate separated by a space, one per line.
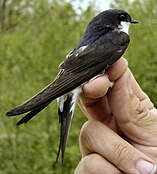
pixel 133 110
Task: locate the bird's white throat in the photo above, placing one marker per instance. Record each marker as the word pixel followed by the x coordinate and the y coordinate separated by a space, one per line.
pixel 124 26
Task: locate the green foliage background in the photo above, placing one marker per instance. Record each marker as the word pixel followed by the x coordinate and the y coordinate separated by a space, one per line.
pixel 33 41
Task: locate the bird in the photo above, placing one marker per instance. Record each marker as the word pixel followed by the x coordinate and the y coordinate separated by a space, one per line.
pixel 104 41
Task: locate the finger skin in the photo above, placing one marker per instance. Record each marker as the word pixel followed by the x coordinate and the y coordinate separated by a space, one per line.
pixel 92 100
pixel 97 138
pixel 128 108
pixel 116 70
pixel 96 164
pixel 98 87
pixel 132 114
pixel 127 102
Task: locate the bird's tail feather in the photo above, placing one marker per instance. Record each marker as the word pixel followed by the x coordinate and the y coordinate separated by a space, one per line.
pixel 66 108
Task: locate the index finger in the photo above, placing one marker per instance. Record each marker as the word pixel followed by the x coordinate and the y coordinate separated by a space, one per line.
pixel 93 100
pixel 98 86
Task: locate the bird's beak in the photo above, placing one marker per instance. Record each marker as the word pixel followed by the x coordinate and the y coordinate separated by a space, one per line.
pixel 134 22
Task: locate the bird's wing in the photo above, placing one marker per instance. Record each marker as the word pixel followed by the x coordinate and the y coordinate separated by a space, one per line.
pixel 76 71
pixel 63 84
pixel 106 48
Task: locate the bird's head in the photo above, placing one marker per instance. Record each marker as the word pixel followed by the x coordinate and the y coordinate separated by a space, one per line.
pixel 112 18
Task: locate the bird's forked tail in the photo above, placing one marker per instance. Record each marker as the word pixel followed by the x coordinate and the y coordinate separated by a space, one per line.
pixel 66 107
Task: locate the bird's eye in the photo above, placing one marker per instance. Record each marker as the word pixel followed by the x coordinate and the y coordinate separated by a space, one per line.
pixel 122 17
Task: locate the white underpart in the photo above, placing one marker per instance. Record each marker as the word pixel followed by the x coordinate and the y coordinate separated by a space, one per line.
pixel 61 101
pixel 74 94
pixel 124 26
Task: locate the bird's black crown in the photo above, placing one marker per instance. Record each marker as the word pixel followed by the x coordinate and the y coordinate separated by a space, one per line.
pixel 111 17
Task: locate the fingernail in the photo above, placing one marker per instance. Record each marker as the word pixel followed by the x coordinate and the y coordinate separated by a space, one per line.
pixel 111 84
pixel 145 167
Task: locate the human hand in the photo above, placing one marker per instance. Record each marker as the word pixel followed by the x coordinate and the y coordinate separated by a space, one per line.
pixel 121 134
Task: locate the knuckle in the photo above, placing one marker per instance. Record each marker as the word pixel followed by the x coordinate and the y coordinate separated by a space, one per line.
pixel 140 114
pixel 87 130
pixel 94 163
pixel 84 132
pixel 88 163
pixel 87 136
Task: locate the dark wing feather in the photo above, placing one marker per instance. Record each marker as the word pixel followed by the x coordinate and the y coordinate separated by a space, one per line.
pixel 31 114
pixel 106 47
pixel 77 71
pixel 65 83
